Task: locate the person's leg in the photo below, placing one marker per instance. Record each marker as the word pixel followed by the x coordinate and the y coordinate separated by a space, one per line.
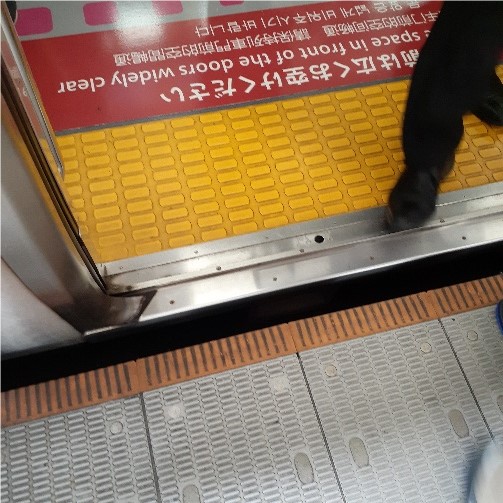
pixel 453 75
pixel 491 109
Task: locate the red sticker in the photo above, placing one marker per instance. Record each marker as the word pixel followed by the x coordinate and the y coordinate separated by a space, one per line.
pixel 97 13
pixel 34 21
pixel 167 7
pixel 117 76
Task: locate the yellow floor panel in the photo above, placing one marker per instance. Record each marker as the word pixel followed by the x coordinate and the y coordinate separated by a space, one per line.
pixel 154 186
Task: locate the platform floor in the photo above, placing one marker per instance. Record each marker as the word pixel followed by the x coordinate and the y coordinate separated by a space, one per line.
pixel 387 402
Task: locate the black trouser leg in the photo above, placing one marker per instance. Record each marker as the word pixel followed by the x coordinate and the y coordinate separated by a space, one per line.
pixel 454 74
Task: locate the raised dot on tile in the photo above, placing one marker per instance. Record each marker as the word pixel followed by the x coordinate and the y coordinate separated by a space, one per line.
pixel 280 383
pixel 359 452
pixel 116 427
pixel 304 468
pixel 472 335
pixel 96 13
pixel 191 494
pixel 330 370
pixel 174 411
pixel 458 423
pixel 426 347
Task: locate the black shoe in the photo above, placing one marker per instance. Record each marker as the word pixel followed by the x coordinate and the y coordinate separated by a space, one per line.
pixel 490 110
pixel 412 200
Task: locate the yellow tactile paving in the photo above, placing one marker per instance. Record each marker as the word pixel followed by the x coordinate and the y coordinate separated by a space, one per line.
pixel 158 185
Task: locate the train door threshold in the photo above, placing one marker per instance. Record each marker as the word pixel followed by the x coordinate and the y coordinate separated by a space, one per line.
pixel 217 150
pixel 391 401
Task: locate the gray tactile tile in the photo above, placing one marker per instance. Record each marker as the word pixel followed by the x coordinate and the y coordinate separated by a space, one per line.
pixel 96 454
pixel 389 399
pixel 397 412
pixel 238 437
pixel 478 344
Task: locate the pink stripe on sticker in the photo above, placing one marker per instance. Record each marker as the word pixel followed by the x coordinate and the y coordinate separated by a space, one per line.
pixel 97 13
pixel 168 7
pixel 231 2
pixel 34 21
